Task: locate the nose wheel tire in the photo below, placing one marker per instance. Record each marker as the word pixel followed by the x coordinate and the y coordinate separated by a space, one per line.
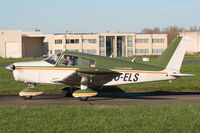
pixel 27 97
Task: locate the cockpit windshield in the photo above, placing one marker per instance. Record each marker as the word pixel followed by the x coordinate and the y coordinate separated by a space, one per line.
pixel 53 58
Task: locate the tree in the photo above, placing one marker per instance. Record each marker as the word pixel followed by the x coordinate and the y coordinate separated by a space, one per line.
pixel 172 32
pixel 155 30
pixel 194 28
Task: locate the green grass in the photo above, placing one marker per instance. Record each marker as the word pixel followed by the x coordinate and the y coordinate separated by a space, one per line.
pixel 192 58
pixel 175 118
pixel 9 86
pixel 12 60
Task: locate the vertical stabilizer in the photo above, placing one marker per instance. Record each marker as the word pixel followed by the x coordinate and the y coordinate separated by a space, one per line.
pixel 172 57
pixel 177 58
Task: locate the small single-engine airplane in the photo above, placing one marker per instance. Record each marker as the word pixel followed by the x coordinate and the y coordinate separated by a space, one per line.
pixel 88 71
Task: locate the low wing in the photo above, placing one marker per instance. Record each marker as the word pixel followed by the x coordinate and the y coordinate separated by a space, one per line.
pixel 95 76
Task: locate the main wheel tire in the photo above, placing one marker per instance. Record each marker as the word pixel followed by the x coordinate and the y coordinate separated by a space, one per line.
pixel 66 92
pixel 27 97
pixel 83 98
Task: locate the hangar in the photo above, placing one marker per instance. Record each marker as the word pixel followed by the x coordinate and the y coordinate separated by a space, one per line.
pixel 18 44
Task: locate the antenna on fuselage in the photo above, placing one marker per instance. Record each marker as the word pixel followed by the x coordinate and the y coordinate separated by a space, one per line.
pixel 111 55
pixel 133 60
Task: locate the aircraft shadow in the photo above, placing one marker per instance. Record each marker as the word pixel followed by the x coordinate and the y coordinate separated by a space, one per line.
pixel 144 95
pixel 117 93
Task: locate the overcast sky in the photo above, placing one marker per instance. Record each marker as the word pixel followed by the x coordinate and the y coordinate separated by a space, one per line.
pixel 57 16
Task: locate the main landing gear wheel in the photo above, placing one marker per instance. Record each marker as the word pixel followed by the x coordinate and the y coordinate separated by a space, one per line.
pixel 83 98
pixel 84 93
pixel 27 97
pixel 67 92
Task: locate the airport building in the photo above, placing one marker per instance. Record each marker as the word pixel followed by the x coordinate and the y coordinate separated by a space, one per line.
pixel 109 44
pixel 18 44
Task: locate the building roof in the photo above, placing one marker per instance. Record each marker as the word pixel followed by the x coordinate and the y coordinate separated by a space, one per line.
pixel 33 35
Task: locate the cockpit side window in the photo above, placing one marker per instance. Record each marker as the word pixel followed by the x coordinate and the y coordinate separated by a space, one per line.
pixel 53 58
pixel 88 62
pixel 68 60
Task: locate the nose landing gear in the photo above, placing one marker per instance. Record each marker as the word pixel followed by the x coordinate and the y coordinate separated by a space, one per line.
pixel 29 92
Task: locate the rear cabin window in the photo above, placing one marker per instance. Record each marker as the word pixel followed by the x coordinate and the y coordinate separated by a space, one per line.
pixel 69 60
pixel 88 62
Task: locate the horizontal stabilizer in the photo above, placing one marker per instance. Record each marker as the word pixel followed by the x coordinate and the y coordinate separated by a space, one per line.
pixel 182 75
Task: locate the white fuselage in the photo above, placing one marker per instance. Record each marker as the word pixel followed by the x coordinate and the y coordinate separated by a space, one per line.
pixel 44 73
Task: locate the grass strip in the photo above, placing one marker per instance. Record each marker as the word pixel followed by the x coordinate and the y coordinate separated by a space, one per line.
pixel 177 118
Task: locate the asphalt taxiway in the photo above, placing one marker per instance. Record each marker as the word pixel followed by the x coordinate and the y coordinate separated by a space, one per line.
pixel 106 99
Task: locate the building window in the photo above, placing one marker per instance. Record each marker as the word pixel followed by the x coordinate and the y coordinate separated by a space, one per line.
pixel 130 53
pixel 90 51
pixel 101 46
pixel 68 41
pixel 143 51
pixel 89 41
pixel 102 52
pixel 58 41
pixel 76 41
pixel 130 46
pixel 161 40
pixel 142 40
pixel 121 46
pixel 157 51
pixel 130 41
pixel 72 41
pixel 73 50
pixel 101 41
pixel 58 51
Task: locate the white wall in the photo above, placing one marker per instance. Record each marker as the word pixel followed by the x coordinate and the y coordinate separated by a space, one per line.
pixel 10 37
pixel 194 45
pixel 12 50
